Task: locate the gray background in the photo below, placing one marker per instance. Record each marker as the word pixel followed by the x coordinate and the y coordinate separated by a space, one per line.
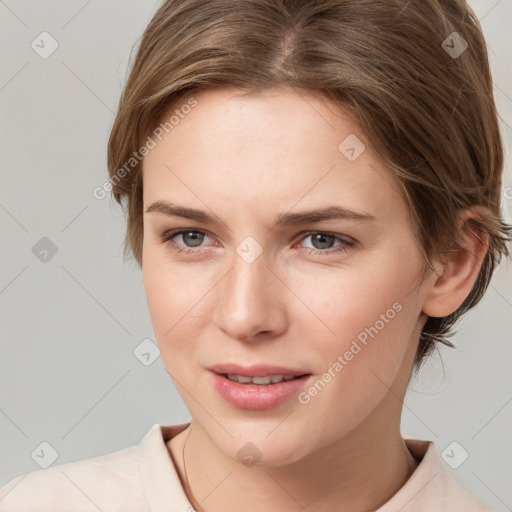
pixel 68 373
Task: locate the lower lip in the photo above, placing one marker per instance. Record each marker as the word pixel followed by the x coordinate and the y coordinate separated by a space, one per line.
pixel 257 397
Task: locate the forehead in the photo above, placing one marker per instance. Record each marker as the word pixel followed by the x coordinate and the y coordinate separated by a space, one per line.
pixel 267 150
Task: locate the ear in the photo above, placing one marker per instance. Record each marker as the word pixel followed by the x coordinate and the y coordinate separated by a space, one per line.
pixel 458 269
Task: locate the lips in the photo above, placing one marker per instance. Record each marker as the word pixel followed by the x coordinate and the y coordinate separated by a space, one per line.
pixel 260 392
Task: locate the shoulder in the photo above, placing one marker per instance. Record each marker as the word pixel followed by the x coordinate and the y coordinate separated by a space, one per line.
pixel 109 482
pixel 431 488
pixel 448 491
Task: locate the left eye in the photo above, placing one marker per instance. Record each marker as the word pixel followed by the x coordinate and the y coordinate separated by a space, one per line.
pixel 195 238
pixel 323 239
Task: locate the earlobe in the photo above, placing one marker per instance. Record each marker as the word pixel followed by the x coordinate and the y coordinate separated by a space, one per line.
pixel 456 273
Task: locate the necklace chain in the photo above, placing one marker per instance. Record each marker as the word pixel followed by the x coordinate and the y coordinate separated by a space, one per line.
pixel 185 471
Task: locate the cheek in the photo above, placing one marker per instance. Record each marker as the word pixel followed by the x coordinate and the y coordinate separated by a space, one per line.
pixel 371 312
pixel 360 301
pixel 179 298
pixel 171 297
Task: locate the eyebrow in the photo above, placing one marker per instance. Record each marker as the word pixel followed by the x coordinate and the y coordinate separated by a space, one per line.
pixel 285 219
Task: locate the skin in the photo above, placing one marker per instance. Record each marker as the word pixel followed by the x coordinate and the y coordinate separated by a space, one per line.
pixel 246 159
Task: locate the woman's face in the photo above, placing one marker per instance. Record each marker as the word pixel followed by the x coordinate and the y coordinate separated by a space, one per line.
pixel 258 281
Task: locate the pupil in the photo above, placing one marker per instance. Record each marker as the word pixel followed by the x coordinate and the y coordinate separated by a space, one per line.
pixel 194 238
pixel 324 237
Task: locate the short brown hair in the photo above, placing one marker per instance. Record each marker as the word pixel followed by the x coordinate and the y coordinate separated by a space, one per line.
pixel 422 97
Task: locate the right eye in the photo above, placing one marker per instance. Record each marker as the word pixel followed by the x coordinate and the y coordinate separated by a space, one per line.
pixel 193 237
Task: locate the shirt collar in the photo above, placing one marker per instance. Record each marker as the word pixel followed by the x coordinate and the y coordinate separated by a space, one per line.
pixel 160 479
pixel 429 488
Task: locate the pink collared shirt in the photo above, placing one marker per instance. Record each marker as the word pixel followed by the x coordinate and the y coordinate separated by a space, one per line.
pixel 143 478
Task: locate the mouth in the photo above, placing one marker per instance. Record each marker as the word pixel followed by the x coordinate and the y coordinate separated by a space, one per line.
pixel 257 387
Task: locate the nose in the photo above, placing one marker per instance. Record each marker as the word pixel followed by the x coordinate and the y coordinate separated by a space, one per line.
pixel 251 301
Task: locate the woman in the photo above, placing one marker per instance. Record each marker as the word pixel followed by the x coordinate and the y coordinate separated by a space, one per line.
pixel 313 196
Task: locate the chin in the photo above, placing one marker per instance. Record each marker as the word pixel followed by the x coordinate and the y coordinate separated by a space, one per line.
pixel 267 455
pixel 257 448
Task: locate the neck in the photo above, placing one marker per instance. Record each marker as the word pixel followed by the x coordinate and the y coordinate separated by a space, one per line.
pixel 333 477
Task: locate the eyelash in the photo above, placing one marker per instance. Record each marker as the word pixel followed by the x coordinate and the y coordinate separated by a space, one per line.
pixel 168 239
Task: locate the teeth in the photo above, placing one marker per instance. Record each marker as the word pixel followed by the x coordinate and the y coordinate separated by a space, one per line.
pixel 274 379
pixel 261 380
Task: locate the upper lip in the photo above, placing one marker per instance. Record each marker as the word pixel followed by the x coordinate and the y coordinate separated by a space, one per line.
pixel 255 370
